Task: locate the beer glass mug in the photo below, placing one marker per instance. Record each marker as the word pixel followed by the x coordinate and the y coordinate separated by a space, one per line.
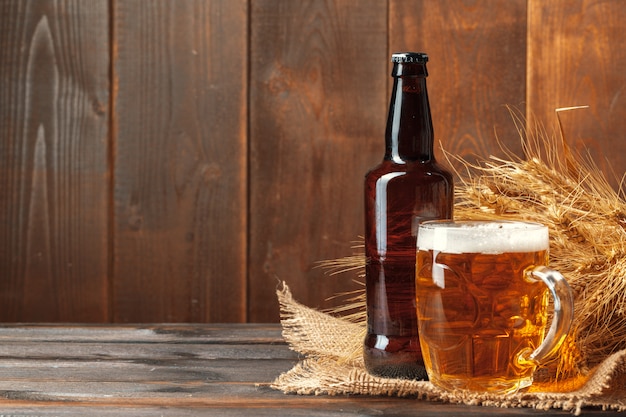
pixel 482 304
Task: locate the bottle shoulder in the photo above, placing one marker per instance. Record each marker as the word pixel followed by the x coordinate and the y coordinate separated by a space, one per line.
pixel 410 168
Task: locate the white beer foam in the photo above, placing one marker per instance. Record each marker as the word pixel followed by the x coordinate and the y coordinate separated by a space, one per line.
pixel 482 237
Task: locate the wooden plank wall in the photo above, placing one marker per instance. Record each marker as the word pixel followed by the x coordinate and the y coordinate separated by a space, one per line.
pixel 172 161
pixel 54 159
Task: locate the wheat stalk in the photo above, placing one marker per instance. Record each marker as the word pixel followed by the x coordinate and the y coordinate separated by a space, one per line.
pixel 586 218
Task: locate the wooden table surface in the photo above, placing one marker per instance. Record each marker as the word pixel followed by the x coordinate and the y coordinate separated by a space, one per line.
pixel 176 370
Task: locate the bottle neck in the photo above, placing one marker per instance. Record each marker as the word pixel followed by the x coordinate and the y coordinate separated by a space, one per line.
pixel 409 133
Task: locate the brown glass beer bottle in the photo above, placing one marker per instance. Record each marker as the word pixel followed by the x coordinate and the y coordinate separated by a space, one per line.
pixel 405 189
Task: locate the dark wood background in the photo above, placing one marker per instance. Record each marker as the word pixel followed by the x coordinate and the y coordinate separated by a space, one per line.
pixel 171 161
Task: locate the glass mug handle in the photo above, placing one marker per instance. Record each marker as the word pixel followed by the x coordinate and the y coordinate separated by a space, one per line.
pixel 561 320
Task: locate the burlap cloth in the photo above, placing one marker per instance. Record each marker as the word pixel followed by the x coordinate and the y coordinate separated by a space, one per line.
pixel 329 366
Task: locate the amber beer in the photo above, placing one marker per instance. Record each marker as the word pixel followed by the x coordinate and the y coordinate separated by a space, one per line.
pixel 481 313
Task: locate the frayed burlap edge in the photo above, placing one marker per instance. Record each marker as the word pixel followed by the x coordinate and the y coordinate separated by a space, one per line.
pixel 328 344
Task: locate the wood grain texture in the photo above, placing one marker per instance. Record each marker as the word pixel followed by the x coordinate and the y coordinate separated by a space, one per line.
pixel 54 99
pixel 178 370
pixel 576 57
pixel 174 160
pixel 318 107
pixel 180 161
pixel 477 54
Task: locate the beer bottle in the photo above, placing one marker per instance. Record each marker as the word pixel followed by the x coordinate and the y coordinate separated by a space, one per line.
pixel 408 187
